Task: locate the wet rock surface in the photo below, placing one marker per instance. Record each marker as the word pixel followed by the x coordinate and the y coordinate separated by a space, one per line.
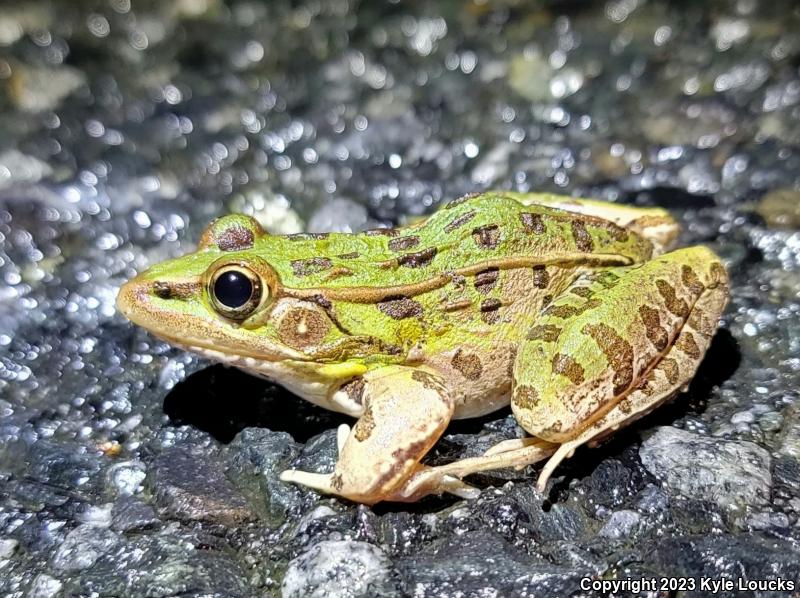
pixel 129 468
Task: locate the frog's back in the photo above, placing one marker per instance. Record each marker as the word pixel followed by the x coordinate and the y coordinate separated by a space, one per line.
pixel 466 236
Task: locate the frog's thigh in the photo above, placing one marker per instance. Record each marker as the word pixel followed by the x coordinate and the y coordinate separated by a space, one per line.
pixel 405 412
pixel 614 345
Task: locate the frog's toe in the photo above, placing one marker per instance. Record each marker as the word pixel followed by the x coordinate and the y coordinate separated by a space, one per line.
pixel 341 436
pixel 514 444
pixel 453 485
pixel 321 482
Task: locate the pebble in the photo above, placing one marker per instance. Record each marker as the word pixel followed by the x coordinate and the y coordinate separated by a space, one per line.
pixel 335 569
pixel 729 473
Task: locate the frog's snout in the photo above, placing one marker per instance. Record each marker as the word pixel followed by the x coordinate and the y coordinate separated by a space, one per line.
pixel 139 295
pixel 133 295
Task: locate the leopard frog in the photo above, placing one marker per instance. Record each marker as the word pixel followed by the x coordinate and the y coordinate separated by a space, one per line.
pixel 570 310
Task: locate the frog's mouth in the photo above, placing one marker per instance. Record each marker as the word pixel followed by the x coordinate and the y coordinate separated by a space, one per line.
pixel 189 326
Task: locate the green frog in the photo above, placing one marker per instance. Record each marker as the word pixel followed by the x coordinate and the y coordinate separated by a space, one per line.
pixel 571 310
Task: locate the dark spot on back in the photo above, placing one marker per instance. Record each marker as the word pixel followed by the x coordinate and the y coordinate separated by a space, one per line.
pixel 418 259
pixel 485 280
pixel 691 281
pixel 487 236
pixel 457 202
pixel 525 397
pixel 307 236
pixel 460 221
pixel 670 368
pixel 349 256
pixel 568 311
pixel 400 307
pixel 381 232
pixel 540 277
pixel 718 274
pixel 614 230
pixel 679 307
pixel 533 223
pixel 583 240
pixel 403 243
pixel 688 345
pixel 584 292
pixel 605 278
pixel 489 310
pixel 310 266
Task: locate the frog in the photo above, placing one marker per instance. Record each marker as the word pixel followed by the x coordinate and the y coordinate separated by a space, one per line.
pixel 578 313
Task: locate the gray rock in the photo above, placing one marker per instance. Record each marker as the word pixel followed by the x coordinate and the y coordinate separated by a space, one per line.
pixel 130 514
pixel 263 455
pixel 790 437
pixel 482 563
pixel 728 473
pixel 767 520
pixel 44 586
pixel 164 565
pixel 193 487
pixel 83 546
pixel 339 569
pixel 621 524
pixel 8 547
pixel 742 556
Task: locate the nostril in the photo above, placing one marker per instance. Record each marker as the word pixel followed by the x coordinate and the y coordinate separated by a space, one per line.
pixel 162 290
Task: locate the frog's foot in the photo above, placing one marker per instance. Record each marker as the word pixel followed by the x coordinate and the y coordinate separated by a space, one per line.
pixel 447 478
pixel 321 482
pixel 405 411
pixel 431 480
pixel 614 346
pixel 515 444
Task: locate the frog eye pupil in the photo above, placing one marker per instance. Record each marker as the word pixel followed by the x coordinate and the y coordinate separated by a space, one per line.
pixel 233 289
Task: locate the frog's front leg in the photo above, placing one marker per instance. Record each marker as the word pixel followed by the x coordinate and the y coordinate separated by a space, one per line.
pixel 614 346
pixel 405 411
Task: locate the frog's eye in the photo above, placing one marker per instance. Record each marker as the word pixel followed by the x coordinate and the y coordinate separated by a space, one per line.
pixel 236 291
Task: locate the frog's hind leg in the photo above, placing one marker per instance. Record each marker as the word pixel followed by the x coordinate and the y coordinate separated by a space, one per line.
pixel 448 477
pixel 405 412
pixel 614 346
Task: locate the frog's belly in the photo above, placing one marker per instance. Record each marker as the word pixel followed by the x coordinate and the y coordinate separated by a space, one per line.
pixel 481 405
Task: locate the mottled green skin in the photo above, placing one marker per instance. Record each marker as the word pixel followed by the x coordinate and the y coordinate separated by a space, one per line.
pixel 449 241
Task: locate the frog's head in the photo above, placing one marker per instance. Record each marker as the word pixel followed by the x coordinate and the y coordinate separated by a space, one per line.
pixel 226 301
